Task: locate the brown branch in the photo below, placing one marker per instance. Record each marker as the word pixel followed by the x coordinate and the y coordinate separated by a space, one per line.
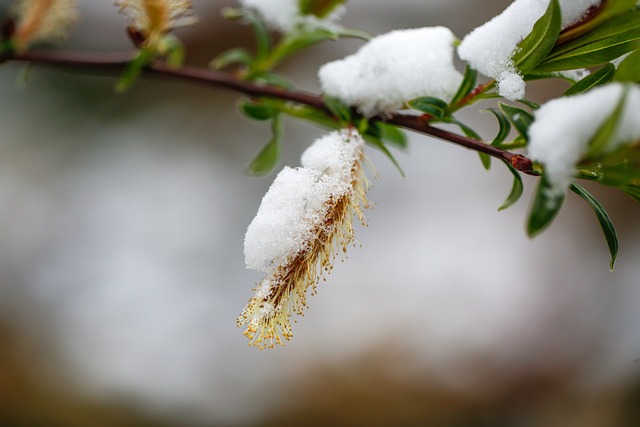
pixel 118 61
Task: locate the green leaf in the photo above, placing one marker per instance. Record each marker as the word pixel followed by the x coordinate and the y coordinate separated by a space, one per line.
pixel 134 69
pixel 503 123
pixel 338 108
pixel 603 26
pixel 318 8
pixel 173 49
pixel 274 79
pixel 516 190
pixel 295 42
pixel 231 57
pixel 544 209
pixel 260 29
pixel 392 135
pixel 601 139
pixel 257 110
pixel 606 224
pixel 521 119
pixel 435 107
pixel 268 157
pixel 466 86
pixel 597 78
pixel 537 45
pixel 593 54
pixel 379 144
pixel 629 68
pixel 632 191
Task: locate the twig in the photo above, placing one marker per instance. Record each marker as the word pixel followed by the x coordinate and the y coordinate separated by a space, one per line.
pixel 118 62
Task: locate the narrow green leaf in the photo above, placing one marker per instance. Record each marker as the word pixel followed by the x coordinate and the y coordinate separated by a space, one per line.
pixel 516 190
pixel 466 86
pixel 236 56
pixel 379 144
pixel 318 8
pixel 629 68
pixel 594 54
pixel 257 110
pixel 632 191
pixel 435 107
pixel 134 69
pixel 338 108
pixel 546 206
pixel 174 50
pixel 504 126
pixel 296 42
pixel 392 135
pixel 521 119
pixel 260 29
pixel 606 224
pixel 275 79
pixel 268 157
pixel 607 27
pixel 601 139
pixel 603 75
pixel 537 45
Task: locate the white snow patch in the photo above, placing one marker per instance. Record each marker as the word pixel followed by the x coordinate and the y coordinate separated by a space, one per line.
pixel 562 129
pixel 489 48
pixel 284 15
pixel 394 68
pixel 335 154
pixel 292 209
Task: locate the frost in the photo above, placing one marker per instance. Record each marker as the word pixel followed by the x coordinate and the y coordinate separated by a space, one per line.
pixel 394 68
pixel 284 15
pixel 489 48
pixel 563 128
pixel 334 154
pixel 292 209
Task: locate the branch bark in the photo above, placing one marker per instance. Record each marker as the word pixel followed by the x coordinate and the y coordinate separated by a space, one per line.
pixel 119 61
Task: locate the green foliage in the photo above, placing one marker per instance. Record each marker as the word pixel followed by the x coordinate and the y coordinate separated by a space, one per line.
pixel 268 157
pixel 612 39
pixel 601 76
pixel 259 110
pixel 339 109
pixel 516 189
pixel 629 69
pixel 606 224
pixel 469 81
pixel 319 8
pixel 537 45
pixel 519 118
pixel 434 107
pixel 545 207
pixel 601 140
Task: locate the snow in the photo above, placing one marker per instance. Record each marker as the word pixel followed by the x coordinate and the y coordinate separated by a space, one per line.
pixel 563 128
pixel 334 154
pixel 284 15
pixel 297 201
pixel 394 68
pixel 290 211
pixel 489 48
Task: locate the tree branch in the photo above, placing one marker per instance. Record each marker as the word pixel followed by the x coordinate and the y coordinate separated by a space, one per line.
pixel 119 61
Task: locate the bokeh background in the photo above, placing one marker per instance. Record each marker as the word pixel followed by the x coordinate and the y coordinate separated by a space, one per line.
pixel 121 269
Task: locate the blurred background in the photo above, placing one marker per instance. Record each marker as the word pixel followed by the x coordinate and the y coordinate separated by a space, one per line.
pixel 122 220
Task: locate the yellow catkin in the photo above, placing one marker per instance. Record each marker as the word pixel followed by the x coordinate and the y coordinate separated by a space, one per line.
pixel 42 20
pixel 155 18
pixel 283 294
